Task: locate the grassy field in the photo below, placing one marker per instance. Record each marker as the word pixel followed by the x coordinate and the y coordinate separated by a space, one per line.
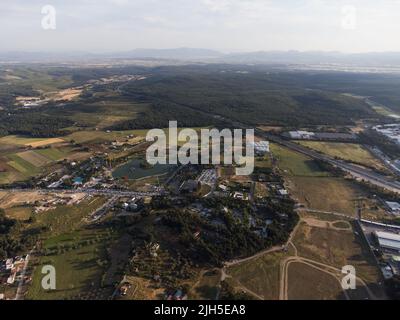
pixel 260 275
pixel 53 154
pixel 346 151
pixel 34 158
pixel 26 141
pixel 317 239
pixel 101 136
pixel 65 218
pixel 98 136
pixel 331 194
pixel 308 283
pixel 20 165
pixel 296 164
pixel 19 213
pixel 10 176
pixel 80 260
pixel 337 248
pixel 17 163
pixel 263 162
pixel 105 113
pixel 78 253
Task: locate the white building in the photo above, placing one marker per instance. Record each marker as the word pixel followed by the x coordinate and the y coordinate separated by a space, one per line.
pixel 394 207
pixel 301 134
pixel 388 240
pixel 261 147
pixel 283 192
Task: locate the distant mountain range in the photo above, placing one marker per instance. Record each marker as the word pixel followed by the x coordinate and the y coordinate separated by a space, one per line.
pixel 211 56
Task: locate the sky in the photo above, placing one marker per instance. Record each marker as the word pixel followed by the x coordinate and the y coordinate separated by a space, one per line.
pixel 224 25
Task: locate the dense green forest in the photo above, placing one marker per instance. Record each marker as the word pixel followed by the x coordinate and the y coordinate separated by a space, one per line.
pixel 32 124
pixel 253 98
pixel 195 95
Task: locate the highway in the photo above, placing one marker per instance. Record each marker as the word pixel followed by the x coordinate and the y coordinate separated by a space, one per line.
pixel 356 171
pixel 374 178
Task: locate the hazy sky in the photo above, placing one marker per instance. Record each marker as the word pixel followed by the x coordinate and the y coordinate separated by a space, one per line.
pixel 226 25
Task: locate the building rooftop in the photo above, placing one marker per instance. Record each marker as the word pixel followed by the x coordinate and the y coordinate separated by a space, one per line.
pixel 388 235
pixel 388 240
pixel 394 206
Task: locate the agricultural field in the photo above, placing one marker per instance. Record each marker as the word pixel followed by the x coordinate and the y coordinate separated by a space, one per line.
pixel 77 251
pixel 296 164
pixel 22 158
pixel 80 257
pixel 68 217
pixel 346 151
pixel 21 140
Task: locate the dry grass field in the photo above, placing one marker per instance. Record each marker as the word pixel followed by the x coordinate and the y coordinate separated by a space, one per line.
pixel 332 194
pixel 260 275
pixel 337 248
pixel 44 142
pixel 308 283
pixel 296 164
pixel 346 151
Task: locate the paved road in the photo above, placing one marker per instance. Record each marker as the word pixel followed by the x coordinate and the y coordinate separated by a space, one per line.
pixel 356 171
pixel 372 177
pixel 103 192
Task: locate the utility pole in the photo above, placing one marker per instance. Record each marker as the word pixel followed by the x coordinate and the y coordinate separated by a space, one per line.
pixel 359 207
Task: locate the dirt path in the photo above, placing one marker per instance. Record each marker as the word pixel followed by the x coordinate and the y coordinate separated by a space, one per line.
pixel 295 258
pixel 284 295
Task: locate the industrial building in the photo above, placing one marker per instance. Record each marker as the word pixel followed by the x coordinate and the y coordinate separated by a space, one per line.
pixel 388 240
pixel 306 135
pixel 321 136
pixel 394 207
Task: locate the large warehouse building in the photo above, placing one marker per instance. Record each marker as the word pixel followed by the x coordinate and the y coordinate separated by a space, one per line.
pixel 388 240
